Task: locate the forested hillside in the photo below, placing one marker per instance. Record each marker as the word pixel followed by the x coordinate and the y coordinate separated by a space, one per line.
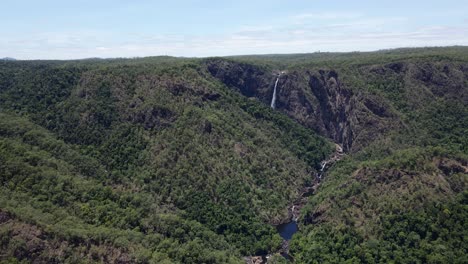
pixel 143 161
pixel 174 160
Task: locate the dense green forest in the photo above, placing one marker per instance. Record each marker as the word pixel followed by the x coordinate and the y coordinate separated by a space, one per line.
pixel 180 160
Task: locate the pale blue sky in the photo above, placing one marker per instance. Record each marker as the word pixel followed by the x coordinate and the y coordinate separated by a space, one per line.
pixel 52 29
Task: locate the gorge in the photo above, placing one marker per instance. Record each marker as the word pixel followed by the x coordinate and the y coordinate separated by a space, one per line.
pixel 327 157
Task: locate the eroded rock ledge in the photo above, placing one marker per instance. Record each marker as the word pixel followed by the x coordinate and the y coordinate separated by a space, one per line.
pixel 315 98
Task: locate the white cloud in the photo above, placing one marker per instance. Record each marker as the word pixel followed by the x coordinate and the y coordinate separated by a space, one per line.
pixel 325 16
pixel 336 32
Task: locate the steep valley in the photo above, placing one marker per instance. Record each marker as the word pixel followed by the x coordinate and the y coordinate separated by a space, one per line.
pixel 184 160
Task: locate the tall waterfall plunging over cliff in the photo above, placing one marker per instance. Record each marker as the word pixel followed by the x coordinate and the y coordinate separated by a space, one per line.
pixel 273 99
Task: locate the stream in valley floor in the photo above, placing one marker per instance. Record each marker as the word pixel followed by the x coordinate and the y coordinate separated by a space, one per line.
pixel 287 230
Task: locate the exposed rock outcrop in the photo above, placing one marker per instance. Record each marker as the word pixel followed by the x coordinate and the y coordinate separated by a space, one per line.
pixel 349 118
pixel 250 80
pixel 315 98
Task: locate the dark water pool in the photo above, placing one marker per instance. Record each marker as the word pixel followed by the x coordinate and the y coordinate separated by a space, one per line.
pixel 287 230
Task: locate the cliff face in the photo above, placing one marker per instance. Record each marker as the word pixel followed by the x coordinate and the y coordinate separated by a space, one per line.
pixel 350 119
pixel 250 80
pixel 316 99
pixel 158 160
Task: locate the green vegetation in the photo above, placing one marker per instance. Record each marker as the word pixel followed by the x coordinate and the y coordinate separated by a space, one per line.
pixel 434 234
pixel 154 160
pixel 148 159
pixel 402 199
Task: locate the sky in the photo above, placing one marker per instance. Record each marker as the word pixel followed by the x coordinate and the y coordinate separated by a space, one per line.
pixel 61 29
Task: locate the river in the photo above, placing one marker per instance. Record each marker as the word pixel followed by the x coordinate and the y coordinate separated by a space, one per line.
pixel 287 230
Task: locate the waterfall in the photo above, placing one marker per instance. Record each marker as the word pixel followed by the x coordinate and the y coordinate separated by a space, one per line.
pixel 273 99
pixel 323 165
pixel 294 218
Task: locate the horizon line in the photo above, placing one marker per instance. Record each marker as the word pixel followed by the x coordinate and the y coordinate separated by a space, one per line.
pixel 11 59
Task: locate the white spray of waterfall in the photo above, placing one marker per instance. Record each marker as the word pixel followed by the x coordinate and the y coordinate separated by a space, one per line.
pixel 293 210
pixel 323 165
pixel 321 170
pixel 273 99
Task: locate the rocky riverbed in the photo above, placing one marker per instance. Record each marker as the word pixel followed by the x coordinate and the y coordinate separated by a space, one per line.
pixel 286 230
